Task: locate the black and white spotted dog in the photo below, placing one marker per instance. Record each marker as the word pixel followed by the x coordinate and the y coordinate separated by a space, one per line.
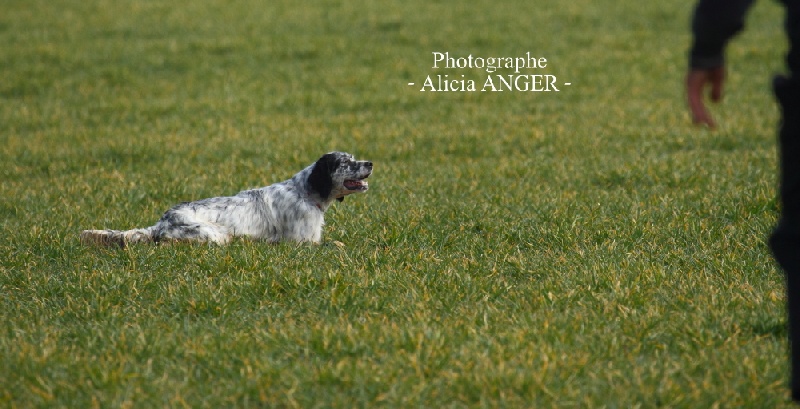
pixel 292 210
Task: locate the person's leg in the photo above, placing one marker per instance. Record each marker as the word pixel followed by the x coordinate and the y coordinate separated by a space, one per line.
pixel 785 240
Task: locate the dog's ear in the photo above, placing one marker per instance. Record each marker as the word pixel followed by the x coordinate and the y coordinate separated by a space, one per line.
pixel 320 178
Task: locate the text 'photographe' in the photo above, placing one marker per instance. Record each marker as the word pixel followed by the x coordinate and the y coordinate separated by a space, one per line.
pixel 503 74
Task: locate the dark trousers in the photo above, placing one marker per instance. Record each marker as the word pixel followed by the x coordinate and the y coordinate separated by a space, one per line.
pixel 785 240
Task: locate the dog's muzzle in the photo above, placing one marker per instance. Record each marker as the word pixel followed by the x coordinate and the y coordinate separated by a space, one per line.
pixel 360 184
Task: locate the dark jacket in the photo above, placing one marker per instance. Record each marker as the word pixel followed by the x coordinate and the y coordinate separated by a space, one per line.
pixel 715 22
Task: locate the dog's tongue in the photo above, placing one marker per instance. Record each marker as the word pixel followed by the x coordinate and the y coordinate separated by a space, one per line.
pixel 353 184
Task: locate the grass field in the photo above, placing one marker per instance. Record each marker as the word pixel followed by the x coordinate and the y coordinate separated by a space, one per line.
pixel 585 248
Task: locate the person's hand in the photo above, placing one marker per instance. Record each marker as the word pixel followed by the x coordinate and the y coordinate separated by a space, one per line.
pixel 696 82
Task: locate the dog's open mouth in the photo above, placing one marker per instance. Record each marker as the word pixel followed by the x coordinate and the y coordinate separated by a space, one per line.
pixel 356 184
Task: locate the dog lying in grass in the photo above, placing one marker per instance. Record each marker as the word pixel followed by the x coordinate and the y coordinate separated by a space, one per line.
pixel 292 210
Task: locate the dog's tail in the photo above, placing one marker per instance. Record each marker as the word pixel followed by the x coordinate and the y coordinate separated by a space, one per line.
pixel 118 238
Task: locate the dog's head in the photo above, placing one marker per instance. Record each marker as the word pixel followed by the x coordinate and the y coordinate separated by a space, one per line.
pixel 337 174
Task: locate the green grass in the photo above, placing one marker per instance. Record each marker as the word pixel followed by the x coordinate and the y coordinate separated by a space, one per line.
pixel 586 248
